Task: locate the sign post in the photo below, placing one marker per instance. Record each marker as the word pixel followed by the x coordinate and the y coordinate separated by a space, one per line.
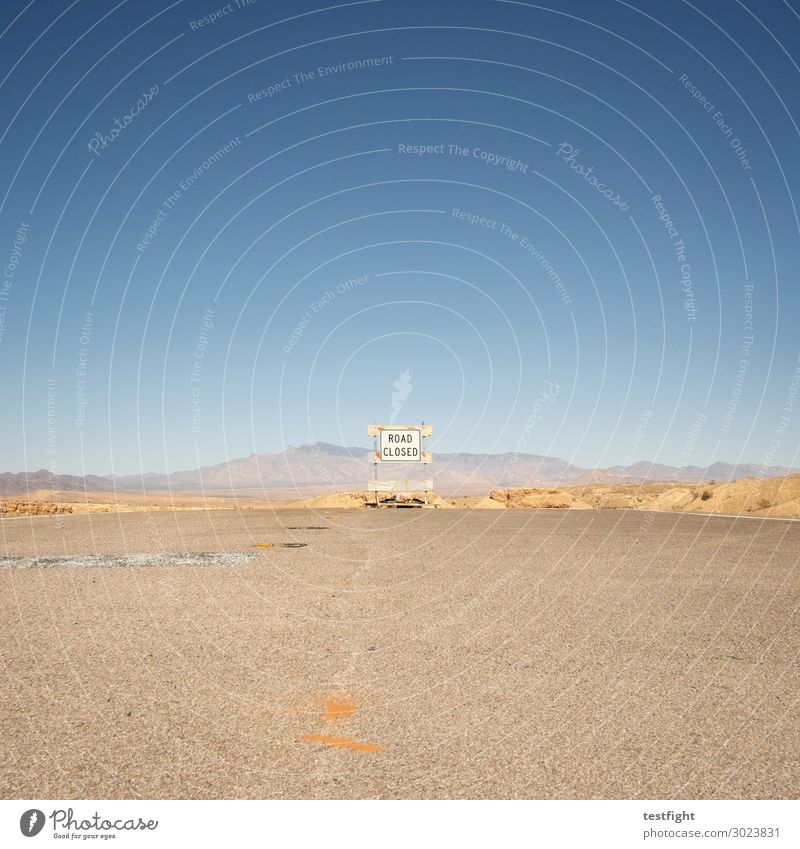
pixel 400 444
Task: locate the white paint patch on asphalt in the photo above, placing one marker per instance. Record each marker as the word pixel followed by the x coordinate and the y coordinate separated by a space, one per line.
pixel 82 561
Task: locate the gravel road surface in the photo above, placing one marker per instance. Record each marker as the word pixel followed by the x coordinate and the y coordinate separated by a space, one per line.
pixel 399 653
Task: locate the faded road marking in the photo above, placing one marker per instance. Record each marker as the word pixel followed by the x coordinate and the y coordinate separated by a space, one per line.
pixel 341 743
pixel 337 709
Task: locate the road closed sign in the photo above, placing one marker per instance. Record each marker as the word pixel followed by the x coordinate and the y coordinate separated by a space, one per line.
pixel 400 445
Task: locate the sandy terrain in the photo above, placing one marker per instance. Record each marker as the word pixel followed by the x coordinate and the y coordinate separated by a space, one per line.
pixel 778 497
pixel 439 653
pixel 752 496
pixel 46 501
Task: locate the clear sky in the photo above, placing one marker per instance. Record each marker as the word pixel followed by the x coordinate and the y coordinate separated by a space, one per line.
pixel 569 229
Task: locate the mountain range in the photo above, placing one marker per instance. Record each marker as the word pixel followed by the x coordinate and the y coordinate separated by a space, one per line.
pixel 324 466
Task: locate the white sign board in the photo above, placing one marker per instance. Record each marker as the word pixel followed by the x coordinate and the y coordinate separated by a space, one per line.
pixel 403 487
pixel 400 445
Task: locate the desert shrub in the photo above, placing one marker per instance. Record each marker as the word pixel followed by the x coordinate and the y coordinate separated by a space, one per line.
pixel 707 493
pixel 763 503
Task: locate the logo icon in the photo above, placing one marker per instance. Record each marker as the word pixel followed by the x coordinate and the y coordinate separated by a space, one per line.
pixel 31 822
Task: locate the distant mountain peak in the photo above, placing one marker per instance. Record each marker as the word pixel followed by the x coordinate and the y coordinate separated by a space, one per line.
pixel 326 465
pixel 326 448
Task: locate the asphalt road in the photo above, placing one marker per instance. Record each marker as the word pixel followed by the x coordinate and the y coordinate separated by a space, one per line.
pixel 400 653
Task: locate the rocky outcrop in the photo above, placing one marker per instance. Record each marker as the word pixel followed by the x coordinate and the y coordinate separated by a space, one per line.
pixel 524 497
pixel 12 507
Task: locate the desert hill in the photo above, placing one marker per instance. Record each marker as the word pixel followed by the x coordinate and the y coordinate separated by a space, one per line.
pixel 26 482
pixel 765 497
pixel 768 497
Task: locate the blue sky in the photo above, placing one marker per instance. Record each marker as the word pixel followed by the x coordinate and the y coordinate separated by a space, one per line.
pixel 574 225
